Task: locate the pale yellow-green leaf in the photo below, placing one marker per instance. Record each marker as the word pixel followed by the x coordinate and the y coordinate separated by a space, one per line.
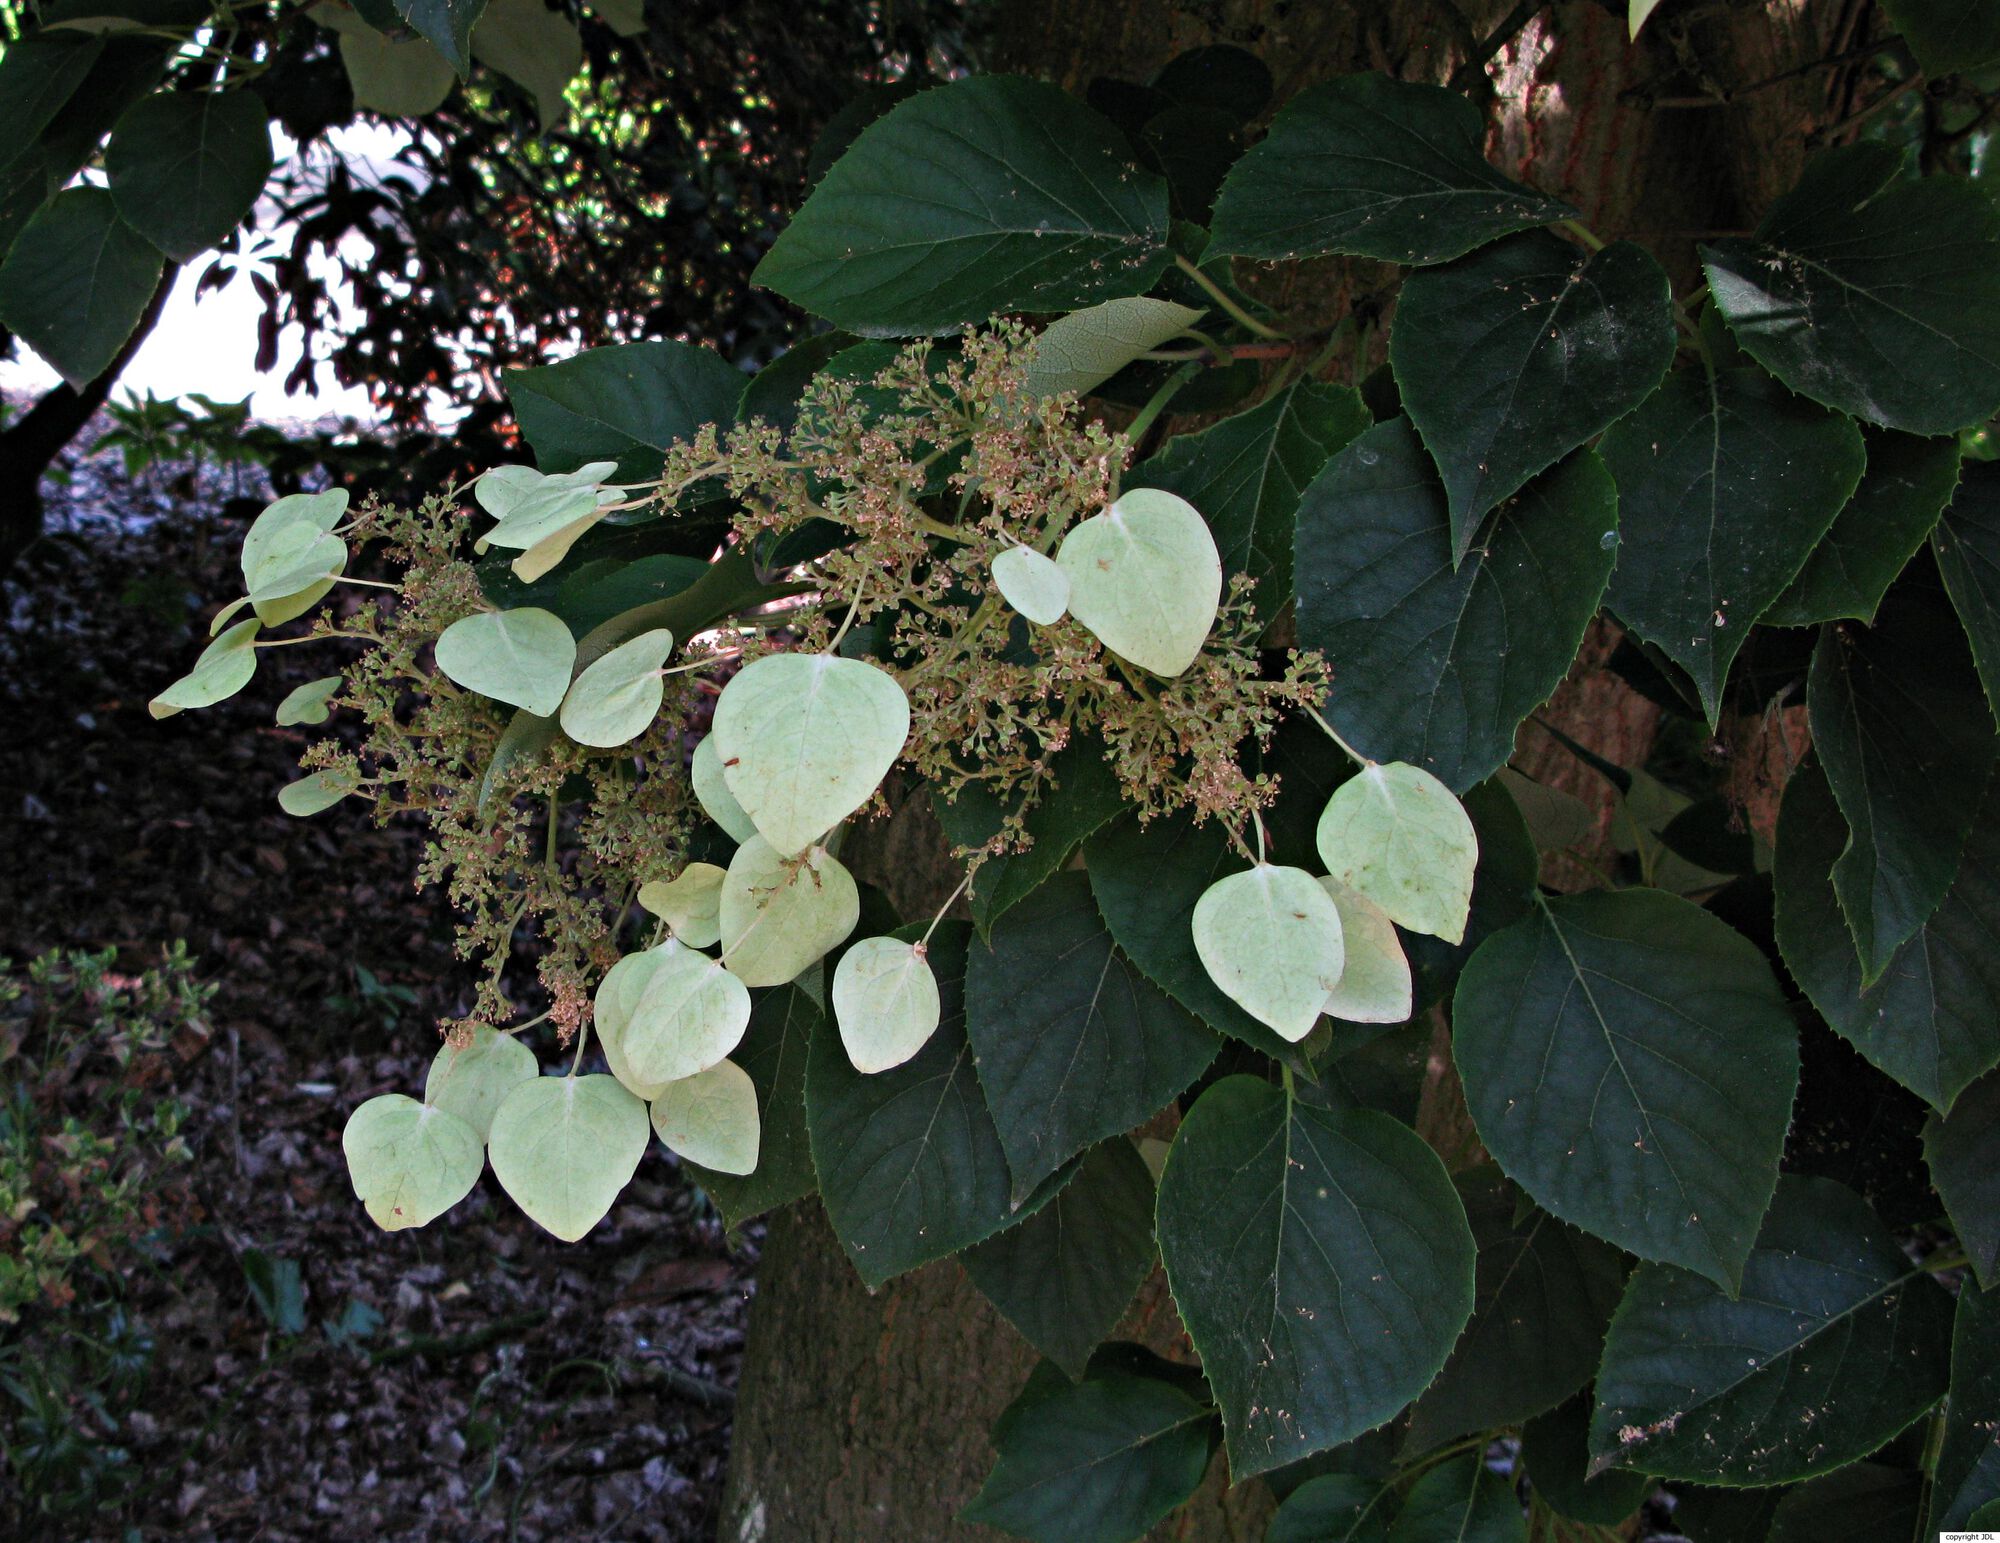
pixel 472 1082
pixel 532 45
pixel 532 506
pixel 1637 12
pixel 717 802
pixel 224 668
pixel 1145 578
pixel 711 1118
pixel 627 18
pixel 521 657
pixel 1375 981
pixel 781 915
pixel 805 740
pixel 398 79
pixel 314 512
pixel 308 703
pixel 294 571
pixel 690 903
pixel 1396 834
pixel 547 554
pixel 618 696
pixel 1084 349
pixel 1032 584
pixel 1153 1152
pixel 221 617
pixel 563 1147
pixel 885 999
pixel 1270 939
pixel 409 1162
pixel 617 994
pixel 317 791
pixel 1555 819
pixel 690 1013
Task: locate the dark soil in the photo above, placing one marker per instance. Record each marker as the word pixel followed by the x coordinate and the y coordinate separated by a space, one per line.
pixel 514 1386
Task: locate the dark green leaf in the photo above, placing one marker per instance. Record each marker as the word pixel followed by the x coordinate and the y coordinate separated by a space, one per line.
pixel 1433 664
pixel 909 1162
pixel 1321 1261
pixel 1335 1508
pixel 1963 1151
pixel 1906 485
pixel 186 167
pixel 1545 1293
pixel 37 76
pixel 1099 1462
pixel 1220 77
pixel 1968 1464
pixel 447 24
pixel 1073 1043
pixel 1373 167
pixel 1710 1515
pixel 1245 475
pixel 1555 1449
pixel 1509 359
pixel 1967 543
pixel 1908 745
pixel 1726 482
pixel 1461 1501
pixel 1947 35
pixel 1872 292
pixel 626 403
pixel 1928 1021
pixel 76 282
pixel 774 1050
pixel 1864 1503
pixel 1837 1343
pixel 1065 1276
pixel 1629 1061
pixel 991 194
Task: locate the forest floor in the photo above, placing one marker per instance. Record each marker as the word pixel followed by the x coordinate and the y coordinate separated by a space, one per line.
pixel 474 1380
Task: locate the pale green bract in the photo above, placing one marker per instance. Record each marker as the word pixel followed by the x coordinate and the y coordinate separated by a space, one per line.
pixel 885 999
pixel 1032 584
pixel 617 994
pixel 782 915
pixel 1270 938
pixel 224 668
pixel 531 506
pixel 563 1147
pixel 290 551
pixel 308 703
pixel 521 657
pixel 711 1118
pixel 1396 834
pixel 690 903
pixel 616 699
pixel 717 802
pixel 473 1082
pixel 1375 982
pixel 688 1015
pixel 1084 349
pixel 409 1162
pixel 805 740
pixel 316 792
pixel 1146 579
pixel 316 512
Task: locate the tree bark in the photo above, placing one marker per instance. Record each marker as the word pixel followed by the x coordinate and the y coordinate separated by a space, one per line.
pixel 865 1415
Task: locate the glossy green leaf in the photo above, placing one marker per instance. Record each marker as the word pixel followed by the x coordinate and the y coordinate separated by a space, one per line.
pixel 1335 1508
pixel 1298 1239
pixel 1555 1449
pixel 1397 836
pixel 773 1052
pixel 317 792
pixel 39 75
pixel 1928 1020
pixel 1074 1044
pixel 1437 665
pixel 76 281
pixel 1372 167
pixel 409 1162
pixel 1726 483
pixel 1962 1149
pixel 186 167
pixel 519 657
pixel 1967 543
pixel 886 1002
pixel 1861 1503
pixel 1374 985
pixel 308 703
pixel 1145 578
pixel 563 1148
pixel 470 1081
pixel 710 1118
pixel 690 903
pixel 626 402
pixel 1246 475
pixel 717 802
pixel 1511 358
pixel 1907 741
pixel 990 194
pixel 1836 1343
pixel 686 1013
pixel 1630 1062
pixel 1270 938
pixel 1032 584
pixel 782 915
pixel 805 740
pixel 617 698
pixel 1099 1462
pixel 224 668
pixel 533 46
pixel 1460 1501
pixel 1968 1463
pixel 1947 35
pixel 1065 1276
pixel 1872 292
pixel 1081 351
pixel 1907 483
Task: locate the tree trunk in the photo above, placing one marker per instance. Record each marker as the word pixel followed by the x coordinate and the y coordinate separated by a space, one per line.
pixel 865 1415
